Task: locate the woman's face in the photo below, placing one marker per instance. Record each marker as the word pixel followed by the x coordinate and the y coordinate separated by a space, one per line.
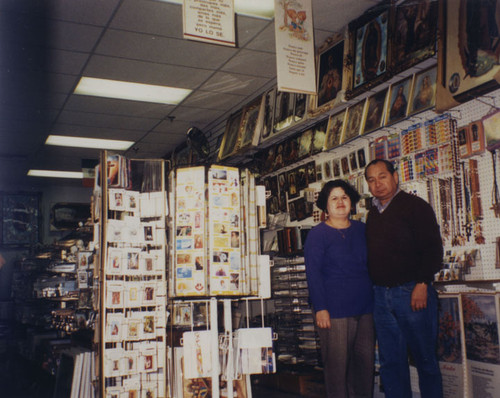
pixel 339 204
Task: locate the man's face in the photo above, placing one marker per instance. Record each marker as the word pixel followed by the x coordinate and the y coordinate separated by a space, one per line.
pixel 382 184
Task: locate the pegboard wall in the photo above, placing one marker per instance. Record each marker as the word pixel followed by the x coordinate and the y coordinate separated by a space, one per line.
pixel 470 242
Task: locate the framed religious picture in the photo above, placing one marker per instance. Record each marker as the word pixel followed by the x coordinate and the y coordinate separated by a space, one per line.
pixel 230 141
pixel 330 71
pixel 305 143
pixel 334 130
pixel 424 91
pixel 283 110
pixel 319 130
pixel 369 49
pixel 468 51
pixel 251 123
pixel 415 30
pixel 399 94
pixel 300 107
pixel 268 115
pixel 354 119
pixel 375 106
pixel 20 219
pixel 291 149
pixel 181 155
pixel 293 190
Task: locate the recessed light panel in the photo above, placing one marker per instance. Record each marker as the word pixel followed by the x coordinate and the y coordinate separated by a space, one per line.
pixel 55 173
pixel 83 142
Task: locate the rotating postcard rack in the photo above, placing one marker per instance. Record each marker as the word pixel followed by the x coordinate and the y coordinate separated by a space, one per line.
pixel 132 280
pixel 213 260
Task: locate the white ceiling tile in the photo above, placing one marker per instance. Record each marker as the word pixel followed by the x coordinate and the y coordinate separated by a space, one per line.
pixel 264 41
pixel 107 121
pixel 234 83
pixel 154 17
pixel 212 100
pixel 95 12
pixel 145 72
pixel 84 103
pixel 96 132
pixel 247 28
pixel 245 62
pixel 72 36
pixel 164 50
pixel 196 116
pixel 67 62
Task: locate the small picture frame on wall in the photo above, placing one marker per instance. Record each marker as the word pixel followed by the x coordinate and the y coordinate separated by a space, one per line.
pixel 283 110
pixel 268 115
pixel 415 30
pixel 330 72
pixel 375 106
pixel 20 219
pixel 230 141
pixel 318 142
pixel 251 123
pixel 354 121
pixel 369 49
pixel 423 91
pixel 305 143
pixel 398 101
pixel 334 130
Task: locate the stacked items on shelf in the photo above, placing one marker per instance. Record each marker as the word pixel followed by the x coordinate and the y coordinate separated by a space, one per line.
pixel 297 339
pixel 133 343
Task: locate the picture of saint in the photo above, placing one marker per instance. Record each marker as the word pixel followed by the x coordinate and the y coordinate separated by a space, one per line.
pixel 334 131
pixel 330 73
pixel 354 118
pixel 375 111
pixel 424 92
pixel 399 101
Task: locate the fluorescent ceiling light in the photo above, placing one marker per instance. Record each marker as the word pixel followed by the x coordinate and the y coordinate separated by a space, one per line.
pixel 254 8
pixel 55 173
pixel 131 91
pixel 82 142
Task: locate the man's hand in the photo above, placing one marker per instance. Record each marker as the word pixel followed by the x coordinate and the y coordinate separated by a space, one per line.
pixel 323 319
pixel 419 297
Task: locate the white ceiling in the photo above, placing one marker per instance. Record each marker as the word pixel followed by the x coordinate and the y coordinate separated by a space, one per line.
pixel 46 46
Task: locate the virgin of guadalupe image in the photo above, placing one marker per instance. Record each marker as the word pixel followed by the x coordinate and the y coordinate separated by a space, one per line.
pixel 372 43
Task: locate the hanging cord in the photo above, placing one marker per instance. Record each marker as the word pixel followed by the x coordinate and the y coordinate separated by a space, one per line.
pixel 495 200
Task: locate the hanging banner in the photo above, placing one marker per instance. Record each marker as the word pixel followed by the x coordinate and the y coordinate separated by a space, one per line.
pixel 209 21
pixel 293 24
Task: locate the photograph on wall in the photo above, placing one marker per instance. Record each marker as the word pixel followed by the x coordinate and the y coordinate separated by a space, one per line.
pixel 305 143
pixel 369 49
pixel 251 123
pixel 491 131
pixel 268 115
pixel 354 119
pixel 300 108
pixel 330 71
pixel 375 111
pixel 283 110
pixel 334 130
pixel 468 61
pixel 480 318
pixel 319 135
pixel 450 345
pixel 399 95
pixel 293 190
pixel 291 150
pixel 20 218
pixel 423 91
pixel 230 141
pixel 415 33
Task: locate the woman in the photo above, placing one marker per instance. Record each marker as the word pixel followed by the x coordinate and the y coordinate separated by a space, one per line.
pixel 341 293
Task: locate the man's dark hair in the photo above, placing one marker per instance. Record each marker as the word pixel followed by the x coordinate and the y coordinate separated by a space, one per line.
pixel 322 200
pixel 388 165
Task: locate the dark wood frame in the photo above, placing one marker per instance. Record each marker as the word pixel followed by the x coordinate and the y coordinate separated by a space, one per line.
pixel 20 219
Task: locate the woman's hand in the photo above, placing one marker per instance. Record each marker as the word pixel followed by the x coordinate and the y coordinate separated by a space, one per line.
pixel 323 319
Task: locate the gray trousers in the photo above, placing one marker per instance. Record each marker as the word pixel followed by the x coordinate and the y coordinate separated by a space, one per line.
pixel 348 350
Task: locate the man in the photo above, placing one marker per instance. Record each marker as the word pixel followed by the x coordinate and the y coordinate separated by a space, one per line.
pixel 404 253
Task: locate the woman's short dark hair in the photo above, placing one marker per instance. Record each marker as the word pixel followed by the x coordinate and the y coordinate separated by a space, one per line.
pixel 389 165
pixel 322 200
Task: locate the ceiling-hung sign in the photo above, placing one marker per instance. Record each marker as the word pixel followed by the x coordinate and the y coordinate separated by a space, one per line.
pixel 293 24
pixel 209 21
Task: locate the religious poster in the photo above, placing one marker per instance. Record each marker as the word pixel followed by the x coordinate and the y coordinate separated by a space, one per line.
pixel 450 345
pixel 209 21
pixel 480 318
pixel 189 257
pixel 295 46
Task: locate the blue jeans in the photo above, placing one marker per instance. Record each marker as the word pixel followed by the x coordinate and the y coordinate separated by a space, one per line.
pixel 399 328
